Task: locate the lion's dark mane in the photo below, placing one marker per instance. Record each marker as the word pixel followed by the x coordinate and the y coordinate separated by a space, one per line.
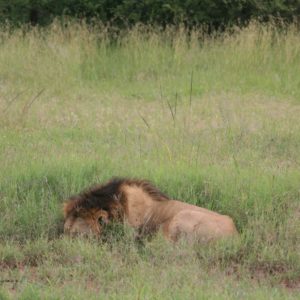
pixel 110 194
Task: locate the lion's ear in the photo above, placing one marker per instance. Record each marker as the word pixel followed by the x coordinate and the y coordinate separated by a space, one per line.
pixel 102 221
pixel 102 217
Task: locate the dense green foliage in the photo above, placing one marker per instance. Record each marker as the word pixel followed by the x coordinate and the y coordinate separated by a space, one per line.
pixel 214 13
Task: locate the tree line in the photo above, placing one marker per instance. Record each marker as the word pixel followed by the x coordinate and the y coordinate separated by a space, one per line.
pixel 213 13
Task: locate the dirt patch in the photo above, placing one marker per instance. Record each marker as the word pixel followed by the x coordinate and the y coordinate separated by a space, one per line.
pixel 293 285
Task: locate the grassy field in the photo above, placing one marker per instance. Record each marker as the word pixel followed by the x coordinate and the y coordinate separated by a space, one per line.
pixel 211 120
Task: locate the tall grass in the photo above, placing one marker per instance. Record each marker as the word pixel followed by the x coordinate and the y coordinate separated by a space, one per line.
pixel 256 59
pixel 211 120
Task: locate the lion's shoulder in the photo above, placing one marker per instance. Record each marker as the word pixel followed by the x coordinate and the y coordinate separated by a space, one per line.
pixel 148 187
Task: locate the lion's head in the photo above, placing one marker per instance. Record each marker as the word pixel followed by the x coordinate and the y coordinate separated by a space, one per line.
pixel 85 222
pixel 88 212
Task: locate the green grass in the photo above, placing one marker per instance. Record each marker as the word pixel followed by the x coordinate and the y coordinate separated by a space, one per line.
pixel 211 120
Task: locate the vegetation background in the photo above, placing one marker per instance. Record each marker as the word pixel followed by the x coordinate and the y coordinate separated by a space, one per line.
pixel 213 13
pixel 210 116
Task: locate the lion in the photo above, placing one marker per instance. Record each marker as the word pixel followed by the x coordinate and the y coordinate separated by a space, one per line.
pixel 139 204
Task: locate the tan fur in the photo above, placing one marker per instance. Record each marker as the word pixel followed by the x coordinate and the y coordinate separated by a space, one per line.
pixel 143 207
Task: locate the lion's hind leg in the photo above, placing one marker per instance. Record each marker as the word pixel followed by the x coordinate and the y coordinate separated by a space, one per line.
pixel 194 225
